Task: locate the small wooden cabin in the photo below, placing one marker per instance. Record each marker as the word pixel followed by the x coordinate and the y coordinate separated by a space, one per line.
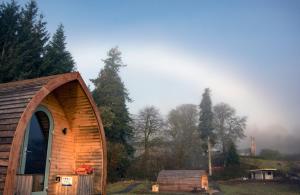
pixel 50 126
pixel 262 174
pixel 182 180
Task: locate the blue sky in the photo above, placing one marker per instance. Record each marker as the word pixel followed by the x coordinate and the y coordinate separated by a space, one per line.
pixel 247 52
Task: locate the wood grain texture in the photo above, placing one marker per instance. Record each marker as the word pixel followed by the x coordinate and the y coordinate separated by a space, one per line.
pixel 181 180
pixel 24 185
pixel 81 185
pixel 72 106
pixel 83 123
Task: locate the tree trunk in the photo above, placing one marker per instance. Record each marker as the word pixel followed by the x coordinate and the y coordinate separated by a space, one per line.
pixel 209 157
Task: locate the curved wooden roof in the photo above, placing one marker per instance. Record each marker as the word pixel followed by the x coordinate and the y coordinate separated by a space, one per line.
pixel 18 101
pixel 182 180
pixel 179 174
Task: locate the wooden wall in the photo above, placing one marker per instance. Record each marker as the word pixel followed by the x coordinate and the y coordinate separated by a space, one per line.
pixel 63 149
pixel 14 98
pixel 83 122
pixel 181 180
pixel 65 97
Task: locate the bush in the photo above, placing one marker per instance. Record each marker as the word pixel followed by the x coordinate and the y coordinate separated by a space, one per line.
pixel 233 172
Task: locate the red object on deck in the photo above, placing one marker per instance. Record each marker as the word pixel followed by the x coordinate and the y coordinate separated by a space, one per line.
pixel 84 170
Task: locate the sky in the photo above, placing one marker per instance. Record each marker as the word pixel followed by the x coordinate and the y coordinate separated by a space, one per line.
pixel 246 52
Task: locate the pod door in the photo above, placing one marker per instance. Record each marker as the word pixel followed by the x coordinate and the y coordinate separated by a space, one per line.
pixel 36 151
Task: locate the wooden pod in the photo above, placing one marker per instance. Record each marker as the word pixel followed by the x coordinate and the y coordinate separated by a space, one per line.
pixel 77 133
pixel 182 180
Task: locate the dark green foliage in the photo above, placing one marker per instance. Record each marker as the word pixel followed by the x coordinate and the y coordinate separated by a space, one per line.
pixel 57 59
pixel 24 44
pixel 232 157
pixel 232 172
pixel 118 162
pixel 206 115
pixel 32 37
pixel 10 24
pixel 111 95
pixel 206 128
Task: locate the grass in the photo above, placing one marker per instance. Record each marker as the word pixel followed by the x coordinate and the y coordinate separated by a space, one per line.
pixel 118 186
pixel 228 188
pixel 260 189
pixel 144 188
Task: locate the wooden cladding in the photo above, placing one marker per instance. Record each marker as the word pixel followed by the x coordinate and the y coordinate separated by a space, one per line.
pixel 182 180
pixel 24 185
pixel 72 108
pixel 81 185
pixel 83 123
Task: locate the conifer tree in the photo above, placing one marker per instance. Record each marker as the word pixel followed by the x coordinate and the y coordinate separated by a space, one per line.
pixel 206 124
pixel 111 97
pixel 9 23
pixel 32 39
pixel 23 37
pixel 232 157
pixel 57 59
pixel 206 115
pixel 24 48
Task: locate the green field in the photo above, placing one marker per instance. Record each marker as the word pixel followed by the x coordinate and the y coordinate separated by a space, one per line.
pixel 260 189
pixel 144 187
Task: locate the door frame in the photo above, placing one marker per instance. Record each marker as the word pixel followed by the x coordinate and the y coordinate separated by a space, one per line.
pixel 49 148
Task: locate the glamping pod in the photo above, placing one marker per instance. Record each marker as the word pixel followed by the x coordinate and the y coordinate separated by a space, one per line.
pixel 50 133
pixel 182 180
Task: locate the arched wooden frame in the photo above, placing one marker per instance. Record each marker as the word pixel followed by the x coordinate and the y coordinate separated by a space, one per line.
pixel 44 109
pixel 26 116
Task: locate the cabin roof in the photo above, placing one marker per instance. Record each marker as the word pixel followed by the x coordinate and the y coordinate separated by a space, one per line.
pixel 180 173
pixel 264 169
pixel 15 96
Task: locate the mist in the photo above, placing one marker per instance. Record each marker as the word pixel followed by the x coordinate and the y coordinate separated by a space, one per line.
pixel 275 137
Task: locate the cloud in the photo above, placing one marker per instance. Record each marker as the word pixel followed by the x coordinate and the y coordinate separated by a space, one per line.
pixel 163 68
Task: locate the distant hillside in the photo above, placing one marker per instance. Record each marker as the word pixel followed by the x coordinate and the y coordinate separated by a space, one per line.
pixel 281 165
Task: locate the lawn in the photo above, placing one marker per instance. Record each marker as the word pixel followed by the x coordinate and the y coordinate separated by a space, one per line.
pixel 144 188
pixel 228 188
pixel 260 189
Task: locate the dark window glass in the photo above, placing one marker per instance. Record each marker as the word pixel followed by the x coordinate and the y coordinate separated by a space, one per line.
pixel 37 144
pixel 36 153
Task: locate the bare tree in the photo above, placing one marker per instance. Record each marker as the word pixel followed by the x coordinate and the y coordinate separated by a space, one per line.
pixel 229 126
pixel 185 139
pixel 147 126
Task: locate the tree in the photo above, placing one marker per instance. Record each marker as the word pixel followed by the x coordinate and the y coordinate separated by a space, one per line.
pixel 232 157
pixel 33 37
pixel 185 141
pixel 9 22
pixel 57 59
pixel 23 37
pixel 228 125
pixel 111 95
pixel 147 125
pixel 24 48
pixel 206 128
